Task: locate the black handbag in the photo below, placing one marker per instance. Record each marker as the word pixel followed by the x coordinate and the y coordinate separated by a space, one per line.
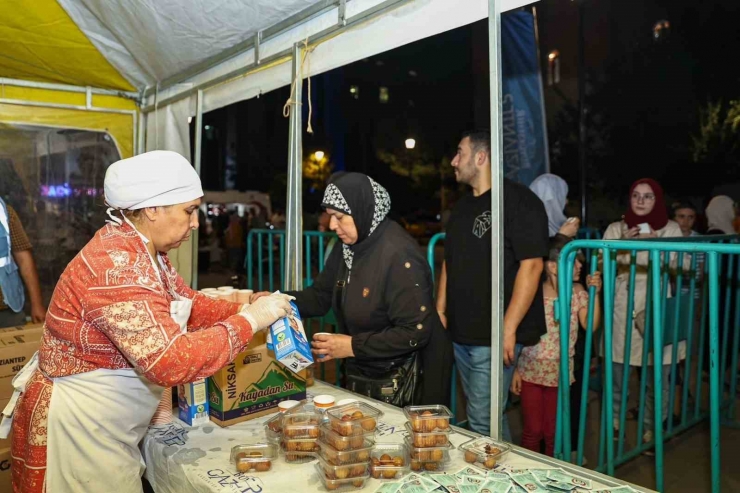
pixel 398 382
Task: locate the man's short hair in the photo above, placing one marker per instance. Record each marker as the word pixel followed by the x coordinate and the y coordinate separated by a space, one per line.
pixel 480 140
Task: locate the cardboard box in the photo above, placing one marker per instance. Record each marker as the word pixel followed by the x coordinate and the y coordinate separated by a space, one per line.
pixel 19 328
pixel 5 442
pixel 192 400
pixel 6 475
pixel 251 386
pixel 288 340
pixel 16 348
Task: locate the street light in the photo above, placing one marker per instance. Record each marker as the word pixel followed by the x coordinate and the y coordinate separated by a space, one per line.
pixel 318 155
pixel 410 143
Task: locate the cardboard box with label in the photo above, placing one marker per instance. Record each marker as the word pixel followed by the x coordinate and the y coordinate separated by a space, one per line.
pixel 287 338
pixel 6 475
pixel 251 386
pixel 192 401
pixel 16 349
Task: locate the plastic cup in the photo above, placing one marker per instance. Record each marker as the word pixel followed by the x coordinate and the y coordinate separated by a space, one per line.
pixel 243 295
pixel 285 405
pixel 323 401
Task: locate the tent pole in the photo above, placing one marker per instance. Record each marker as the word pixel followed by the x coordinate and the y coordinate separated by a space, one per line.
pixel 294 226
pixel 21 102
pixel 497 218
pixel 67 88
pixel 197 164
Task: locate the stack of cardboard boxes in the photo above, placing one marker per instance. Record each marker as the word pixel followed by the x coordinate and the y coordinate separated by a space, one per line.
pixel 17 345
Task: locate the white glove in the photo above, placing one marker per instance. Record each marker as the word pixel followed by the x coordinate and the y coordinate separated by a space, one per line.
pixel 267 310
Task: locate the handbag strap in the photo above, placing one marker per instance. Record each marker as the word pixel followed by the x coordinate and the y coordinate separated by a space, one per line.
pixel 339 296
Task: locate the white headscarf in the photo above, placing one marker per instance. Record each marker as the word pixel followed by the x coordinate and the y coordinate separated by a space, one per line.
pixel 152 179
pixel 553 192
pixel 720 214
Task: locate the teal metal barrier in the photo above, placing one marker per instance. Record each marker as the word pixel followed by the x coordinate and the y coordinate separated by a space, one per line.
pixel 269 244
pixel 672 273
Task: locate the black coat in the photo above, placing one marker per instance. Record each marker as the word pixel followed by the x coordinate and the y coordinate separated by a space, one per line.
pixel 388 307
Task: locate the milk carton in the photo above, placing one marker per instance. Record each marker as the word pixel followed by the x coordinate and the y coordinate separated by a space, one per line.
pixel 192 399
pixel 287 339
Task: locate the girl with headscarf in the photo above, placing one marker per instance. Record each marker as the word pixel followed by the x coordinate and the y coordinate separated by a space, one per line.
pixel 380 287
pixel 553 192
pixel 647 217
pixel 122 327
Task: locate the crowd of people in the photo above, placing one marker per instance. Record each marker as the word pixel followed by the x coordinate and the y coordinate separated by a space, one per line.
pixel 122 322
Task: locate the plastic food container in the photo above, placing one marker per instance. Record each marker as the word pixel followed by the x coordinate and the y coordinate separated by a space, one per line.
pixel 299 457
pixel 274 428
pixel 485 451
pixel 343 484
pixel 257 457
pixel 300 431
pixel 433 439
pixel 301 418
pixel 428 458
pixel 344 471
pixel 426 419
pixel 342 443
pixel 356 418
pixel 299 445
pixel 342 457
pixel 389 461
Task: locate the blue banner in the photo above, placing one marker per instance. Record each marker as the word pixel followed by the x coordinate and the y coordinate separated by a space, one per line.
pixel 524 128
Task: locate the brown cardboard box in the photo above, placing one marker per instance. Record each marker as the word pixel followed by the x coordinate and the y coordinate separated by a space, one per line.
pixel 5 474
pixel 20 328
pixel 16 348
pixel 5 442
pixel 251 386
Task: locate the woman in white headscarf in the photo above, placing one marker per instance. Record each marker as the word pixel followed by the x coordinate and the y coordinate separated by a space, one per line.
pixel 553 192
pixel 122 326
pixel 721 214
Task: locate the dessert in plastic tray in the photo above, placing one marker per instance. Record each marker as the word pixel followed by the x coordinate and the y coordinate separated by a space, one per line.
pixel 422 458
pixel 356 418
pixel 343 484
pixel 389 461
pixel 299 457
pixel 336 457
pixel 256 457
pixel 485 451
pixel 428 418
pixel 301 431
pixel 299 445
pixel 340 442
pixel 301 419
pixel 433 439
pixel 343 471
pixel 274 429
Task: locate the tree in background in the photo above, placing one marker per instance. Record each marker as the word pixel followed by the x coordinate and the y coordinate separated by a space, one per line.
pixel 316 171
pixel 716 148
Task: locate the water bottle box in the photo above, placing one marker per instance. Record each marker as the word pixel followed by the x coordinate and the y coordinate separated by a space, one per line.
pixel 192 400
pixel 287 339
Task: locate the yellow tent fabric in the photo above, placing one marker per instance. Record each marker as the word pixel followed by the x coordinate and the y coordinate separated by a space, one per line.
pixel 119 126
pixel 40 42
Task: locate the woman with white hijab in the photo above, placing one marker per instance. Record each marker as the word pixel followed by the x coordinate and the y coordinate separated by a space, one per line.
pixel 122 326
pixel 721 214
pixel 553 192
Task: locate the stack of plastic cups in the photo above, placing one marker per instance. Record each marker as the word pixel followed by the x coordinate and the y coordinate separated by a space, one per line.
pixel 227 293
pixel 210 292
pixel 243 295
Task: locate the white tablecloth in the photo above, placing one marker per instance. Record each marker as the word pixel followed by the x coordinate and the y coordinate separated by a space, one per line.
pixel 181 459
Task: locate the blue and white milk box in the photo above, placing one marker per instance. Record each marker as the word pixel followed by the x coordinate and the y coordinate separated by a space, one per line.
pixel 287 339
pixel 192 399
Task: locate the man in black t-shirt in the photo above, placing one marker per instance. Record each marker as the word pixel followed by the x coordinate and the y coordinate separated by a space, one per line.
pixel 464 295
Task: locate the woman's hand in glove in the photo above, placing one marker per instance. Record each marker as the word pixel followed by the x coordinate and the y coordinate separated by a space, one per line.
pixel 267 310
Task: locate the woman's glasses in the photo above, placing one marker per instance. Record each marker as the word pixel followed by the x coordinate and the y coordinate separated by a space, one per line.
pixel 647 197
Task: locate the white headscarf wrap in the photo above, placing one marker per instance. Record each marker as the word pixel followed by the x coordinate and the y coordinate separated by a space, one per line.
pixel 553 192
pixel 152 179
pixel 720 214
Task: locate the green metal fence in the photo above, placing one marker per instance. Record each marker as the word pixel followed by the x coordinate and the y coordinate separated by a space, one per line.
pixel 265 265
pixel 681 279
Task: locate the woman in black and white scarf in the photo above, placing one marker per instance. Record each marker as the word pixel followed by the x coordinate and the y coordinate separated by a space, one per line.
pixel 381 290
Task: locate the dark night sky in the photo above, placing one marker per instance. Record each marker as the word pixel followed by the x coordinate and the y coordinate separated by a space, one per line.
pixel 645 96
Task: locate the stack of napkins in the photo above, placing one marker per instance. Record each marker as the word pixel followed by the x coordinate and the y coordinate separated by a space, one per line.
pixel 501 480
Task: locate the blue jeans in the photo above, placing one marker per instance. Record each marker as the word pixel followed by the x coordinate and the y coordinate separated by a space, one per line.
pixel 474 366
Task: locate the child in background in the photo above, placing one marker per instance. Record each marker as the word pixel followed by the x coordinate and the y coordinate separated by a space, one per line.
pixel 536 377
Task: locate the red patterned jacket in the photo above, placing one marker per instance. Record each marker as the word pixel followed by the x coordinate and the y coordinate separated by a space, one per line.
pixel 111 310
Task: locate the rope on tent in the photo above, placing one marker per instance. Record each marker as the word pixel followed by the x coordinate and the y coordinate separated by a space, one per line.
pixel 305 58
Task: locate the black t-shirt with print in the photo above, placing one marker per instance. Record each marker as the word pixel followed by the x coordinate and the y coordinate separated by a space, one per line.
pixel 468 258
